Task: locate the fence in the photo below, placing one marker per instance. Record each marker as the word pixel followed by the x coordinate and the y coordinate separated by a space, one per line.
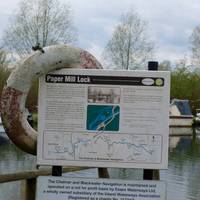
pixel 28 180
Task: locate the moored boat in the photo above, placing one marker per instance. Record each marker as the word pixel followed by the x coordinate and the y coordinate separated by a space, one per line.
pixel 197 118
pixel 180 113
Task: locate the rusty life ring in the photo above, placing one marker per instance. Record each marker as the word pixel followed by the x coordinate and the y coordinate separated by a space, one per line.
pixel 18 84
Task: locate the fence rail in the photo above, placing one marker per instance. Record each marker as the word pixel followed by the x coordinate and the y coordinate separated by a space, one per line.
pixel 28 179
pixel 30 174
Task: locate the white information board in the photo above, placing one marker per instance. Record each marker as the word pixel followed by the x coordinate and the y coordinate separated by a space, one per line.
pixel 61 188
pixel 104 118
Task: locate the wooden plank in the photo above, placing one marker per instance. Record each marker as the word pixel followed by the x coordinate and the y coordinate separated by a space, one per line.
pixel 33 174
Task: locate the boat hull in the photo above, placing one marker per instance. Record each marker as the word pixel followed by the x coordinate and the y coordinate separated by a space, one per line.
pixel 181 121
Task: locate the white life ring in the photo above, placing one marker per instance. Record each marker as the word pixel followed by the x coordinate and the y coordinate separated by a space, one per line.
pixel 14 94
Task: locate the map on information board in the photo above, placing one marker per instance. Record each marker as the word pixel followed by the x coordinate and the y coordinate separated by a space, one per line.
pixel 103 118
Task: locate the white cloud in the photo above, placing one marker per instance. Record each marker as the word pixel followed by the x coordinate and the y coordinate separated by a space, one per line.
pixel 169 52
pixel 170 22
pixel 95 50
pixel 8 6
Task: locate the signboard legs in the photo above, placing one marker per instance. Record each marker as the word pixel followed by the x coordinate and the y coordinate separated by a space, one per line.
pixel 57 171
pixel 150 174
pixel 103 173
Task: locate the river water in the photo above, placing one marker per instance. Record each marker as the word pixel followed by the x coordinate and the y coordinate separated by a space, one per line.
pixel 182 176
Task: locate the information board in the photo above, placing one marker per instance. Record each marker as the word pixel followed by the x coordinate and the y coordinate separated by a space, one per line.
pixel 52 188
pixel 104 118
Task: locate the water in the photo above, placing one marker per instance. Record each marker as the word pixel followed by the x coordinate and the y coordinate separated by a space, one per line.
pixel 13 160
pixel 182 176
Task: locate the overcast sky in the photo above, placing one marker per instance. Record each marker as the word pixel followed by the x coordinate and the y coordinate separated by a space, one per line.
pixel 170 23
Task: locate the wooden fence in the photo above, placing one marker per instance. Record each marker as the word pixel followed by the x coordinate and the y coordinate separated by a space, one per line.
pixel 28 179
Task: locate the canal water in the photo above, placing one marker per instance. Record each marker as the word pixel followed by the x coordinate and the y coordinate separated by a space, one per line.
pixel 182 176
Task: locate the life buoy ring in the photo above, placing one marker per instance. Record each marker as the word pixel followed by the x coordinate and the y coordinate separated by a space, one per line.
pixel 15 92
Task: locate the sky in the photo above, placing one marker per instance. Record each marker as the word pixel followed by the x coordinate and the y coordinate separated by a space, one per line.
pixel 170 23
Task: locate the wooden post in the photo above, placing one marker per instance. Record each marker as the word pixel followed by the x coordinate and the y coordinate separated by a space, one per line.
pixel 151 174
pixel 57 171
pixel 28 186
pixel 103 173
pixel 28 189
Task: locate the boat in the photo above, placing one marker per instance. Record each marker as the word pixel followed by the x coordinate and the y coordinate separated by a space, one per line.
pixel 180 114
pixel 197 117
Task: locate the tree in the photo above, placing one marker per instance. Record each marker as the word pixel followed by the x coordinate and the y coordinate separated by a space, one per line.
pixel 185 85
pixel 129 46
pixel 165 66
pixel 2 59
pixel 46 22
pixel 195 46
pixel 4 71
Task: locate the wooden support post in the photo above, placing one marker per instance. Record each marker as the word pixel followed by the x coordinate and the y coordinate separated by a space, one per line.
pixel 148 174
pixel 103 173
pixel 28 190
pixel 57 171
pixel 151 174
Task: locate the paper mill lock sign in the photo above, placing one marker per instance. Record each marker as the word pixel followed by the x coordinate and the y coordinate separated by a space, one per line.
pixel 104 118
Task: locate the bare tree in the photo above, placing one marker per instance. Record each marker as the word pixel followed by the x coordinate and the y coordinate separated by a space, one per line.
pixel 4 71
pixel 195 46
pixel 129 46
pixel 39 21
pixel 165 65
pixel 2 59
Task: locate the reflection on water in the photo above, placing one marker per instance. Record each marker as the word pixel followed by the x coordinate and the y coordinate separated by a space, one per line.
pixel 182 176
pixel 134 174
pixel 13 160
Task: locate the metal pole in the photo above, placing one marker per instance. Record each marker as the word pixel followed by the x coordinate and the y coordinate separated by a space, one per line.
pixel 103 173
pixel 57 171
pixel 151 174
